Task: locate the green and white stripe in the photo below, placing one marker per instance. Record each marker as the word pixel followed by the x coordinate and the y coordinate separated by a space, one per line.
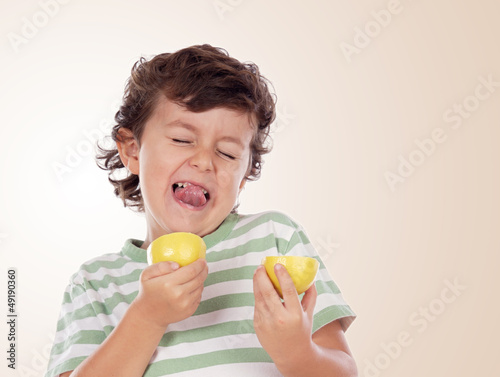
pixel 219 338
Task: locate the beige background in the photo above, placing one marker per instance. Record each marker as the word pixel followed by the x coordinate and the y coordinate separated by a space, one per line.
pixel 343 124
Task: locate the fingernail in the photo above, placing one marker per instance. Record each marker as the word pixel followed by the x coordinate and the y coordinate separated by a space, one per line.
pixel 174 266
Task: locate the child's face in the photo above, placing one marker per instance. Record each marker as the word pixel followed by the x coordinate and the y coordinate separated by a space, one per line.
pixel 210 151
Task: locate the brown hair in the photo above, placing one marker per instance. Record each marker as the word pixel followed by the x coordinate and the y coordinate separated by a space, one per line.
pixel 199 78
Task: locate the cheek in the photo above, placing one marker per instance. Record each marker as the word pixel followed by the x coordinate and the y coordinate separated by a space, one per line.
pixel 156 169
pixel 226 180
pixel 230 178
pixel 149 165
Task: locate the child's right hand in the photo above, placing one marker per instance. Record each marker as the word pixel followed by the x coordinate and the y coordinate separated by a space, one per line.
pixel 169 294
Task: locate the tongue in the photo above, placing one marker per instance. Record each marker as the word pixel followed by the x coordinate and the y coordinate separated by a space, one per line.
pixel 191 194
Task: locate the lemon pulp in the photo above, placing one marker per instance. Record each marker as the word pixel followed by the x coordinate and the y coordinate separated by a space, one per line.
pixel 302 270
pixel 181 247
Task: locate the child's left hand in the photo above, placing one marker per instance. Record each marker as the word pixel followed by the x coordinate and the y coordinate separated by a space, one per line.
pixel 283 328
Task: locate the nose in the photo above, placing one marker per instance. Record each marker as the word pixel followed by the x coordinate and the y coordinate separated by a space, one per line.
pixel 202 159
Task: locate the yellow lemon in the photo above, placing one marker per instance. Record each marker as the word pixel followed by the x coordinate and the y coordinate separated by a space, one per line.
pixel 302 270
pixel 181 247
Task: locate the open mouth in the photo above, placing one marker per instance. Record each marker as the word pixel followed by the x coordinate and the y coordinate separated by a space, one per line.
pixel 189 193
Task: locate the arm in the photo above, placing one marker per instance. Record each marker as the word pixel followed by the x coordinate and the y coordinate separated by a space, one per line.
pixel 125 352
pixel 167 295
pixel 284 330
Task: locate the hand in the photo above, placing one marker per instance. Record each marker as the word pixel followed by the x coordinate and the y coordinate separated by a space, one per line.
pixel 169 294
pixel 283 328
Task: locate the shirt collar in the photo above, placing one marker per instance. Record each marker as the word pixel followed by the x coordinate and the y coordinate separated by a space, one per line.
pixel 132 247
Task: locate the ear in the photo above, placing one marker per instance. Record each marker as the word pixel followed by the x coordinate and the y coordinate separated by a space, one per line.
pixel 242 184
pixel 128 148
pixel 247 174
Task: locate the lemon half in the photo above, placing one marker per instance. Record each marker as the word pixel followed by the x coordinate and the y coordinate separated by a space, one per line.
pixel 181 247
pixel 302 270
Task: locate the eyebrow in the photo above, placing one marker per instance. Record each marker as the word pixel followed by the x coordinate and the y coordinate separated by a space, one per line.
pixel 179 123
pixel 190 127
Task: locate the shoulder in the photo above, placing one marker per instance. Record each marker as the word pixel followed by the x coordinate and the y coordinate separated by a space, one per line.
pixel 272 216
pixel 273 229
pixel 109 264
pixel 265 223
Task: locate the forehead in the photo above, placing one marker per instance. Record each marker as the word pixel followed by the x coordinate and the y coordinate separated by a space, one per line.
pixel 224 120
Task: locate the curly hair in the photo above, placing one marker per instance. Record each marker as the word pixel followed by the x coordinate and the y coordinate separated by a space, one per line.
pixel 199 78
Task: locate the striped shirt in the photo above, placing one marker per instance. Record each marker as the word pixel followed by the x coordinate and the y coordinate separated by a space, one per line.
pixel 218 339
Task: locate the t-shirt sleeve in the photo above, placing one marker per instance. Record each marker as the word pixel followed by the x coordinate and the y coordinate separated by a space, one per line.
pixel 79 331
pixel 330 304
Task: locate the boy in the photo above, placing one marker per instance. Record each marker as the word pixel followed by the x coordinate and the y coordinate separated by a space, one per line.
pixel 191 131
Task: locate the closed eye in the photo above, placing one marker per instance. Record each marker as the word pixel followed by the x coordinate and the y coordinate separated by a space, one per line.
pixel 227 155
pixel 181 141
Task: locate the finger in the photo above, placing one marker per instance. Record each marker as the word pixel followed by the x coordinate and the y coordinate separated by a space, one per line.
pixel 197 283
pixel 309 300
pixel 158 269
pixel 191 271
pixel 288 290
pixel 256 290
pixel 197 292
pixel 264 292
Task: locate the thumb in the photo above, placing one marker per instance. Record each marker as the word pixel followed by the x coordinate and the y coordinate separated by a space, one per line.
pixel 309 300
pixel 158 269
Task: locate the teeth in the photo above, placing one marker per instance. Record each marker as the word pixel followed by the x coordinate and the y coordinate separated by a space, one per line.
pixel 184 184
